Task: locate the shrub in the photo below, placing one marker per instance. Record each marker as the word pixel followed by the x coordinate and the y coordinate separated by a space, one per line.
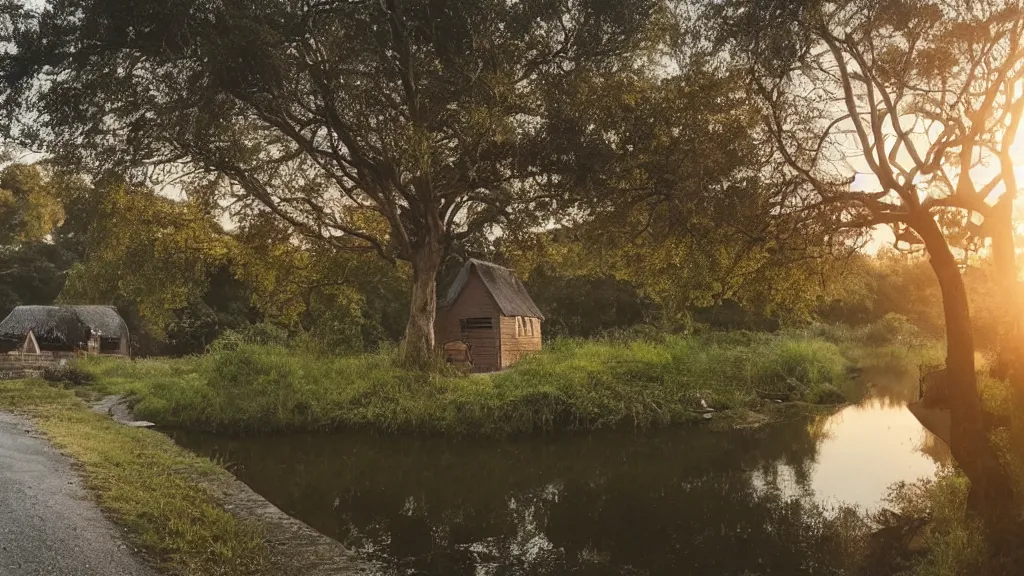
pixel 67 374
pixel 228 340
pixel 259 334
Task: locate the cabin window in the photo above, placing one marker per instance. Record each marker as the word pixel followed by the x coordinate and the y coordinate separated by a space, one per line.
pixel 532 333
pixel 467 324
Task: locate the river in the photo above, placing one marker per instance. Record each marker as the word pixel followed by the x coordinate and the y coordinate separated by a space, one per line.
pixel 776 500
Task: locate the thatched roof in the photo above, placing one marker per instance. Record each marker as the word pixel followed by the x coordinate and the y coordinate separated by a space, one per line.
pixel 507 290
pixel 62 327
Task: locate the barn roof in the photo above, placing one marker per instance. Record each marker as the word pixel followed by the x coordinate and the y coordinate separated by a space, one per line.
pixel 505 288
pixel 63 325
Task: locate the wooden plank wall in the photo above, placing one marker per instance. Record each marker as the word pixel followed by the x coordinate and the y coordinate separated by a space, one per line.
pixel 513 345
pixel 474 301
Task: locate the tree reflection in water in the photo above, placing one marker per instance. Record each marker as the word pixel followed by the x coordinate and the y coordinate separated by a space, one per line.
pixel 679 502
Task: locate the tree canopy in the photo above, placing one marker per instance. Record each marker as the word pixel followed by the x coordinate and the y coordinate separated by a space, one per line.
pixel 396 127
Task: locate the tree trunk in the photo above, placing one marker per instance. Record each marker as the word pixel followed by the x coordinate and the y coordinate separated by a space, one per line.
pixel 419 331
pixel 1004 260
pixel 991 488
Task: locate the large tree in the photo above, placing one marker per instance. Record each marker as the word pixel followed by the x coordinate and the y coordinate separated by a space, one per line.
pixel 399 126
pixel 886 109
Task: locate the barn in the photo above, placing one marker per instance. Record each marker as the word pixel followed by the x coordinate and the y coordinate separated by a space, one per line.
pixel 64 330
pixel 488 309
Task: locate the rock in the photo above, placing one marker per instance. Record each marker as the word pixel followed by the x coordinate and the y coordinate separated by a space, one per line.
pixel 118 409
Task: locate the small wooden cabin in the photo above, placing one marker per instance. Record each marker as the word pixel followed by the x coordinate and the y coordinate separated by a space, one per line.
pixel 488 309
pixel 60 331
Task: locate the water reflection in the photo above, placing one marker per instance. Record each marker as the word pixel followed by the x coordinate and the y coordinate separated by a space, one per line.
pixel 770 501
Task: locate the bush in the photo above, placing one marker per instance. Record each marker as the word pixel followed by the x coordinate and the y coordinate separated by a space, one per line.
pixel 258 334
pixel 67 374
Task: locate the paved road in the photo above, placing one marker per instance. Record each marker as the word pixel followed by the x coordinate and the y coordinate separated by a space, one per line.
pixel 48 527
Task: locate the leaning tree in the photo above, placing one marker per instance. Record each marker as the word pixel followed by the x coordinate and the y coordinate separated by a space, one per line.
pixel 891 112
pixel 399 127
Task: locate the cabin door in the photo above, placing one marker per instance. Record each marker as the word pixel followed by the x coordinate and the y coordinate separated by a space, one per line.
pixel 481 334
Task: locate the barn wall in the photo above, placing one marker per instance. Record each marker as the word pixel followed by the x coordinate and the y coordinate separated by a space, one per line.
pixel 474 301
pixel 514 346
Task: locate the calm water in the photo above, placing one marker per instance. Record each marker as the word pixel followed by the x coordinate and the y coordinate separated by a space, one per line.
pixel 770 501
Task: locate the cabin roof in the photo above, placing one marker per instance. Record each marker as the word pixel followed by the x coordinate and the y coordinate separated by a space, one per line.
pixel 62 325
pixel 506 289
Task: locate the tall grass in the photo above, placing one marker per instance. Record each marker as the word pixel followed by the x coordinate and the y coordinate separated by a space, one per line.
pixel 572 385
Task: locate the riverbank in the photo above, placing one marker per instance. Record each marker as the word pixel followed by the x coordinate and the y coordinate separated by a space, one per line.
pixel 187 514
pixel 572 386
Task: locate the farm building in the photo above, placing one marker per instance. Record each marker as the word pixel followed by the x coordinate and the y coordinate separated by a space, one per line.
pixel 64 330
pixel 488 309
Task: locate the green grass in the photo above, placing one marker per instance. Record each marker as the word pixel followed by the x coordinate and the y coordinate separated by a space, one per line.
pixel 149 485
pixel 572 385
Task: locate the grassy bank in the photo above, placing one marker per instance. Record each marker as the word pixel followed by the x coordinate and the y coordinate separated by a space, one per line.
pixel 572 385
pixel 150 486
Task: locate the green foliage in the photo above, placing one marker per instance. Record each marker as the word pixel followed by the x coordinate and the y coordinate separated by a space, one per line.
pixel 32 273
pixel 338 300
pixel 905 285
pixel 584 306
pixel 31 268
pixel 574 385
pixel 146 248
pixel 891 342
pixel 29 207
pixel 67 374
pixel 262 334
pixel 636 146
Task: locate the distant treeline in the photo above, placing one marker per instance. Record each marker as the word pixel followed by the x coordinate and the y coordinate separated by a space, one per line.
pixel 181 279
